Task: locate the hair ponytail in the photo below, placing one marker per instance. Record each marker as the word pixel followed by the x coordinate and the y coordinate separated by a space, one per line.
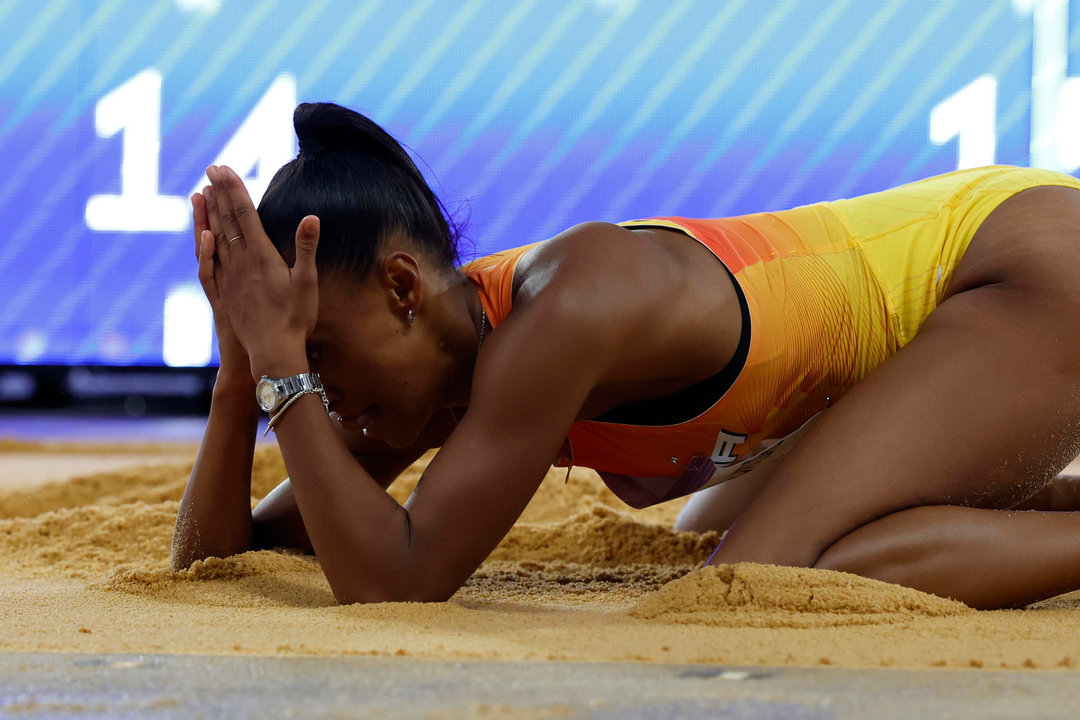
pixel 363 186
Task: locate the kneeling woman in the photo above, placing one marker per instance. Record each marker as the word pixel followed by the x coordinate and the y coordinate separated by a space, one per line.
pixel 868 385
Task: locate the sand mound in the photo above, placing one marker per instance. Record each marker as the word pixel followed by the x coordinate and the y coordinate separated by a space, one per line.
pixel 84 541
pixel 251 579
pixel 596 552
pixel 119 524
pixel 603 538
pixel 751 595
pixel 146 484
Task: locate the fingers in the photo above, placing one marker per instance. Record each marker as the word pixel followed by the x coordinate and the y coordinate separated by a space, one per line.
pixel 213 213
pixel 226 210
pixel 199 217
pixel 239 219
pixel 307 242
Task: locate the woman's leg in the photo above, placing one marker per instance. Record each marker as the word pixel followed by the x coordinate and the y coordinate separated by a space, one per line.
pixel 981 409
pixel 717 507
pixel 1060 494
pixel 987 558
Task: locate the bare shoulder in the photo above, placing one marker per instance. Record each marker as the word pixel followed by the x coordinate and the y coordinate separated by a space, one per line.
pixel 649 304
pixel 597 264
pixel 578 309
pixel 613 296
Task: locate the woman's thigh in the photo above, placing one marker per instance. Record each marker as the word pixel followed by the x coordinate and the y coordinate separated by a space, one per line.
pixel 981 408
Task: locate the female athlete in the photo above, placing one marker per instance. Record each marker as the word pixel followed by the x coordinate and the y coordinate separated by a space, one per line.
pixel 873 385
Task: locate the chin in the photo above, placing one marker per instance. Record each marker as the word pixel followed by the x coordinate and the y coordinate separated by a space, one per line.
pixel 401 440
pixel 401 435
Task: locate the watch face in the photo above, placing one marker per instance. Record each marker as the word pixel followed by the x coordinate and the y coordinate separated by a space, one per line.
pixel 266 395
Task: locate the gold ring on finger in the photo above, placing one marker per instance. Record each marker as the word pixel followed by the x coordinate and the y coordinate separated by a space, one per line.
pixel 234 239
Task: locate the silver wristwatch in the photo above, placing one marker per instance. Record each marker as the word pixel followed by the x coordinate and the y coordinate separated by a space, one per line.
pixel 272 393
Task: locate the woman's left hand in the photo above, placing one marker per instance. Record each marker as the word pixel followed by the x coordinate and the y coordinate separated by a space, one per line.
pixel 272 307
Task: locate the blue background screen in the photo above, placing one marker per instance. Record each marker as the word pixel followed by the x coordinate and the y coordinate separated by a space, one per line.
pixel 528 116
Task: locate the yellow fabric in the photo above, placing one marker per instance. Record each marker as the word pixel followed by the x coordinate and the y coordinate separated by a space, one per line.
pixel 833 290
pixel 913 236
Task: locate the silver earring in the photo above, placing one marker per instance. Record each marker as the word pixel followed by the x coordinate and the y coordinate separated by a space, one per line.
pixel 412 317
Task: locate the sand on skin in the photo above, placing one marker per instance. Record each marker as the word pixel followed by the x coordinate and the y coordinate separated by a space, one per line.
pixel 84 565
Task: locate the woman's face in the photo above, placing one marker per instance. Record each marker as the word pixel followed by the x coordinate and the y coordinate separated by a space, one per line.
pixel 380 371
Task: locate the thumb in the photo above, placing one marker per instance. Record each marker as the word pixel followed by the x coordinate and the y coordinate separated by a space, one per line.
pixel 307 242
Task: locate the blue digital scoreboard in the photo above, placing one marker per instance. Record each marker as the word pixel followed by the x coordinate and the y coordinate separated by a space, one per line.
pixel 529 116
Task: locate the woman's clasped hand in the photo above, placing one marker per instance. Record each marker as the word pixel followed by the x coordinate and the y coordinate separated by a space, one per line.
pixel 260 303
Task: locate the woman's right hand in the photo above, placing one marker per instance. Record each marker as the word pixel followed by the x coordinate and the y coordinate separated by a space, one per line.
pixel 235 367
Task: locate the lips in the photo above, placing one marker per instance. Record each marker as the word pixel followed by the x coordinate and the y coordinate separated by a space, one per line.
pixel 363 420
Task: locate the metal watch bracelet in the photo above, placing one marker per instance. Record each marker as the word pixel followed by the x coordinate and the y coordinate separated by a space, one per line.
pixel 293 398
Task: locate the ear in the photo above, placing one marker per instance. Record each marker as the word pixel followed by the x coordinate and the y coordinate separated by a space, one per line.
pixel 404 283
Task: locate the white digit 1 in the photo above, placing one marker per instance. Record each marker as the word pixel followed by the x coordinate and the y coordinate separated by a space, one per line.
pixel 1049 63
pixel 264 141
pixel 188 327
pixel 135 109
pixel 968 114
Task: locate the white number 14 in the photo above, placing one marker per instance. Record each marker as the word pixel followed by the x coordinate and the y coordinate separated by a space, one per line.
pixel 263 143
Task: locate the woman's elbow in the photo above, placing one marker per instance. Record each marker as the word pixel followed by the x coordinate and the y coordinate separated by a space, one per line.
pixel 402 587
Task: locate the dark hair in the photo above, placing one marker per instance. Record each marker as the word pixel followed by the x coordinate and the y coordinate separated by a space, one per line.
pixel 364 188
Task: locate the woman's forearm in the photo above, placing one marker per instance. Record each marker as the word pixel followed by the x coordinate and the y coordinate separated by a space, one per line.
pixel 359 533
pixel 215 513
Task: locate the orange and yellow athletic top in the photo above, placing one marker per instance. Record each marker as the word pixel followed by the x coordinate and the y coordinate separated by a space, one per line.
pixel 829 291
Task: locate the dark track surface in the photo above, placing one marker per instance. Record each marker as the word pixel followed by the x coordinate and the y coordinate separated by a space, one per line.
pixel 193 686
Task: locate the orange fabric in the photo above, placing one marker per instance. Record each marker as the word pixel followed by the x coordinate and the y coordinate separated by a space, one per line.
pixel 833 289
pixel 493 277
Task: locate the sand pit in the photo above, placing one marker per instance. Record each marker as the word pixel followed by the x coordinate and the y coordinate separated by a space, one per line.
pixel 84 565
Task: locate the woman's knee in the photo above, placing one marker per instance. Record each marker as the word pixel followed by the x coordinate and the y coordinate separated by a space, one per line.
pixel 716 508
pixel 700 515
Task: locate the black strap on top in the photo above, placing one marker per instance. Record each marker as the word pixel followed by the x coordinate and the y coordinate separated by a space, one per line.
pixel 687 404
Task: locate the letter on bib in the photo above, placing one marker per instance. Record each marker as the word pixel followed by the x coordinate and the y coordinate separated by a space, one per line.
pixel 725 443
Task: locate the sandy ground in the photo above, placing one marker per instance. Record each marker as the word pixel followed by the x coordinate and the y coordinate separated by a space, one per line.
pixel 84 544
